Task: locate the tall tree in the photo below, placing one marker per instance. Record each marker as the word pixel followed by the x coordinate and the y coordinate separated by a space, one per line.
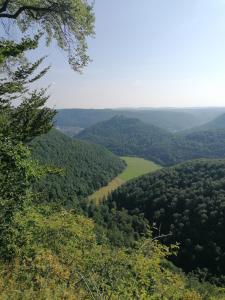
pixel 69 22
pixel 22 117
pixel 23 114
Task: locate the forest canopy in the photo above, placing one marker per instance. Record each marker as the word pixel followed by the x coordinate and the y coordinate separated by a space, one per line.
pixel 127 136
pixel 85 167
pixel 186 203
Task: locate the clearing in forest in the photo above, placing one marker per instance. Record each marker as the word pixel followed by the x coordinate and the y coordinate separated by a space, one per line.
pixel 135 167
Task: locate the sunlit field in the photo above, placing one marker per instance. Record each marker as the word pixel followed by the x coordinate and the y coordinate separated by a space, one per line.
pixel 135 167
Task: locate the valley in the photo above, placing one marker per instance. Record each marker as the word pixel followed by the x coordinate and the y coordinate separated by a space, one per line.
pixel 135 167
pixel 111 186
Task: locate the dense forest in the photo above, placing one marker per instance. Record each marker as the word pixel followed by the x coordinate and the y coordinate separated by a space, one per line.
pixel 125 136
pixel 85 167
pixel 186 203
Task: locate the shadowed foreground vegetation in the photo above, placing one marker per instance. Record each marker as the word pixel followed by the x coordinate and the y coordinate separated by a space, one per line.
pixel 60 258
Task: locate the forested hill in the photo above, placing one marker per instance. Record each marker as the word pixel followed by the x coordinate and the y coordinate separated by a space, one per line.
pixel 187 203
pixel 126 136
pixel 86 166
pixel 217 123
pixel 172 120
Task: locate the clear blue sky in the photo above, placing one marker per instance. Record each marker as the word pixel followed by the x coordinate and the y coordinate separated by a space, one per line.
pixel 147 53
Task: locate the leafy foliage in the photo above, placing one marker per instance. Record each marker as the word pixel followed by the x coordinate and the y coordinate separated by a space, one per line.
pixel 68 22
pixel 20 121
pixel 62 260
pixel 187 203
pixel 86 167
pixel 23 115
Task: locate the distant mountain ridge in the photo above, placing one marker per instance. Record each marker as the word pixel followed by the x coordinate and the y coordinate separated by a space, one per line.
pixel 83 118
pixel 126 136
pixel 217 123
pixel 71 121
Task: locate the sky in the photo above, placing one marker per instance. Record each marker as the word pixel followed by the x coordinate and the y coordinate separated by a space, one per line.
pixel 146 53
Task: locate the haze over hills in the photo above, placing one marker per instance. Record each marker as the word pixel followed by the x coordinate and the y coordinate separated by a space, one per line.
pixel 126 136
pixel 217 123
pixel 71 121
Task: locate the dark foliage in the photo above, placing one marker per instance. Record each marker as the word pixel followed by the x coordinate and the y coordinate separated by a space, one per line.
pixel 86 167
pixel 126 136
pixel 188 203
pixel 121 228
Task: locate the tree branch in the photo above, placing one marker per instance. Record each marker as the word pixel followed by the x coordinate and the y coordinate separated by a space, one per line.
pixel 161 236
pixel 28 8
pixel 4 6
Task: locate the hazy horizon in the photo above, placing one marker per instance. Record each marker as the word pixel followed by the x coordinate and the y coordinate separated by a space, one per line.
pixel 148 54
pixel 149 108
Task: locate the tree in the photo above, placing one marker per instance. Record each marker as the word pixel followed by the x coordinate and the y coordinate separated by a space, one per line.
pixel 23 114
pixel 27 114
pixel 22 117
pixel 69 22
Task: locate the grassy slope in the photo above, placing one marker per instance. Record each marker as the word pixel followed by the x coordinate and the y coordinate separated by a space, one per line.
pixel 135 167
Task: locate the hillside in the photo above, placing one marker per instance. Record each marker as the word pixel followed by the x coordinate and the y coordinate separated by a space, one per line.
pixel 86 166
pixel 70 120
pixel 217 123
pixel 135 167
pixel 187 204
pixel 125 136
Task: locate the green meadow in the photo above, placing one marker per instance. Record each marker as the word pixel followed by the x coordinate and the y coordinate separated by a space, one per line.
pixel 135 167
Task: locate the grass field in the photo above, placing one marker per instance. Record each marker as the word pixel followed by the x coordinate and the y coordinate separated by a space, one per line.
pixel 135 167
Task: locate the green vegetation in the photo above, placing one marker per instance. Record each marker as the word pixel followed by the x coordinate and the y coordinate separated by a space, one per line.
pixel 68 22
pixel 48 250
pixel 20 122
pixel 135 167
pixel 132 137
pixel 186 204
pixel 63 260
pixel 85 167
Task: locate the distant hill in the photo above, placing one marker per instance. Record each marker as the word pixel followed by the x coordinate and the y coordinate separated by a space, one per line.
pixel 186 203
pixel 87 167
pixel 126 136
pixel 71 121
pixel 217 123
pixel 171 120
